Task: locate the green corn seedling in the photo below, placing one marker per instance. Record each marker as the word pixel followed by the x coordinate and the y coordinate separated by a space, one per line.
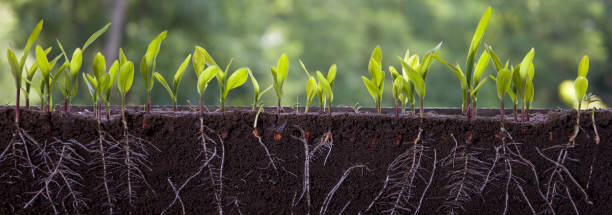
pixel 69 84
pixel 279 74
pixel 173 91
pixel 50 75
pixel 312 89
pixel 147 66
pixel 238 78
pixel 502 81
pixel 319 86
pixel 470 81
pixel 416 72
pixel 203 79
pixel 581 85
pixel 256 91
pixel 523 83
pixel 125 78
pixel 101 83
pixel 327 86
pixel 398 94
pixel 376 85
pixel 18 65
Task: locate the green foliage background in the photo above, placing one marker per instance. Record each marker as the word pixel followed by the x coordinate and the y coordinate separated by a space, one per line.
pixel 323 32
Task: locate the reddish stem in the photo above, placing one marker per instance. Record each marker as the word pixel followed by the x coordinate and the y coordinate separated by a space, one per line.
pixel 148 105
pixel 66 105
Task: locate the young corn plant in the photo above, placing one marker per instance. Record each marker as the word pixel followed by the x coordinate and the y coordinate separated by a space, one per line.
pixel 502 82
pixel 321 86
pixel 470 79
pixel 416 73
pixel 50 75
pixel 147 66
pixel 103 82
pixel 581 85
pixel 173 92
pixel 18 65
pixel 69 84
pixel 238 78
pixel 523 82
pixel 376 84
pixel 256 91
pixel 279 74
pixel 398 91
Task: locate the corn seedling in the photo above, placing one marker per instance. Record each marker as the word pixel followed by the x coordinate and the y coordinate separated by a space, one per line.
pixel 399 94
pixel 226 84
pixel 376 85
pixel 470 79
pixel 279 74
pixel 50 75
pixel 523 83
pixel 69 84
pixel 255 132
pixel 320 85
pixel 173 92
pixel 18 65
pixel 256 91
pixel 416 73
pixel 147 66
pixel 502 82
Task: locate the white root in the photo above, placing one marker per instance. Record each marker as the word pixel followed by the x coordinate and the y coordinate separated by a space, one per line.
pixel 331 193
pixel 177 192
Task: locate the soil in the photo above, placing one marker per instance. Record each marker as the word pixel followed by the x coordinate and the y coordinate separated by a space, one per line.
pixel 251 186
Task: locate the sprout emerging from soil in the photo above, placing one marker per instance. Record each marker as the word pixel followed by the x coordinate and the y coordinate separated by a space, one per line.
pixel 50 75
pixel 101 83
pixel 524 83
pixel 147 65
pixel 279 74
pixel 69 84
pixel 416 72
pixel 255 132
pixel 398 91
pixel 226 84
pixel 320 86
pixel 376 85
pixel 470 81
pixel 173 92
pixel 502 81
pixel 256 91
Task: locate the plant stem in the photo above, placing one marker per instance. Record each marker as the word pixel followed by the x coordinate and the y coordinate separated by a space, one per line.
pixel 396 109
pixel 201 105
pixel 468 111
pixel 378 106
pixel 475 108
pixel 501 113
pixel 66 105
pixel 523 112
pixel 278 106
pixel 412 108
pixel 17 104
pixel 174 105
pixel 330 109
pixel 527 113
pixel 222 104
pixel 421 109
pixel 148 105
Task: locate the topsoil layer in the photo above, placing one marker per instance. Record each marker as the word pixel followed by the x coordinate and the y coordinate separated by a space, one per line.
pixel 251 186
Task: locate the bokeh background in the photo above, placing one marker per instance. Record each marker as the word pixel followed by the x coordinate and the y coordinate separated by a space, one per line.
pixel 321 32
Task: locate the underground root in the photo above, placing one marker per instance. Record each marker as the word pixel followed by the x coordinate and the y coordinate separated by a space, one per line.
pixel 209 151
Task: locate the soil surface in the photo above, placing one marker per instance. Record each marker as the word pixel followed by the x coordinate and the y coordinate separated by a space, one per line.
pixel 241 179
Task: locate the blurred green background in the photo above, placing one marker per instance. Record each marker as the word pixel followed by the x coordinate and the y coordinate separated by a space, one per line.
pixel 321 32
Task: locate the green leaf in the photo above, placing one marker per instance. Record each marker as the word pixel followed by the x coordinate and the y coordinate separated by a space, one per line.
pixel 163 82
pixel 15 69
pixel 199 62
pixel 580 88
pixel 30 42
pixel 519 84
pixel 43 62
pixel 394 73
pixel 255 85
pixel 529 92
pixel 526 63
pixel 397 88
pixel 496 60
pixel 481 66
pixel 205 77
pixel 145 73
pixel 372 88
pixel 91 88
pixel 179 74
pixel 95 36
pixel 311 87
pixel 153 48
pixel 238 78
pixel 277 87
pixel 283 69
pixel 76 62
pixel 113 73
pixel 304 68
pixel 415 78
pixel 126 77
pixel 331 75
pixel 475 90
pixel 122 58
pixel 583 67
pixel 456 70
pixel 209 60
pixel 479 33
pixel 503 82
pixel 326 87
pixel 377 55
pixel 99 65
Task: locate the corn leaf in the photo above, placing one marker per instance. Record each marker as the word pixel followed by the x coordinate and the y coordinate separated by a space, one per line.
pixel 583 67
pixel 526 63
pixel 43 62
pixel 30 42
pixel 163 82
pixel 331 75
pixel 179 74
pixel 208 58
pixel 205 77
pixel 238 78
pixel 481 66
pixel 95 36
pixel 580 87
pixel 372 88
pixel 326 87
pixel 126 77
pixel 153 48
pixel 283 69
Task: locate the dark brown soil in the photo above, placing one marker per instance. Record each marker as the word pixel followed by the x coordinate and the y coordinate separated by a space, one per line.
pixel 251 186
